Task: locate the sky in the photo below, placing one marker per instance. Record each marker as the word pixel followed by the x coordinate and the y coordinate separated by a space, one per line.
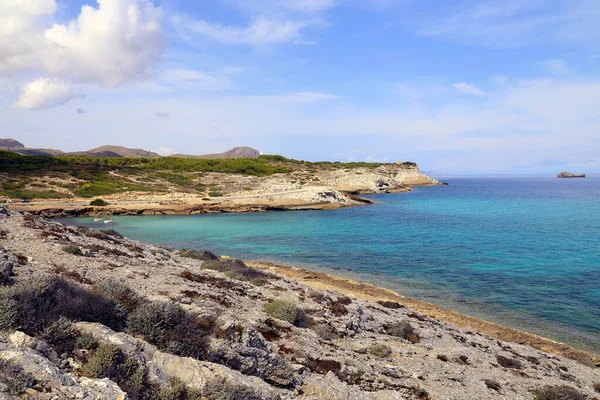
pixel 459 86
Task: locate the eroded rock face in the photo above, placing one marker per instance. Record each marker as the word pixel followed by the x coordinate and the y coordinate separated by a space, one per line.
pixel 53 382
pixel 164 366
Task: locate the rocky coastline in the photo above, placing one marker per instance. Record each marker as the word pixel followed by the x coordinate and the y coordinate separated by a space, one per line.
pixel 263 331
pixel 327 189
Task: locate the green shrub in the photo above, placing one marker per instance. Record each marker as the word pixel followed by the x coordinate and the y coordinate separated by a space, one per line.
pixel 223 390
pixel 203 255
pixel 379 350
pixel 170 328
pixel 491 384
pixel 403 330
pixel 558 392
pixel 86 342
pixel 72 249
pixel 236 269
pixel 287 311
pixel 6 274
pixel 125 298
pixel 178 391
pixel 509 362
pixel 108 361
pixel 15 379
pixel 98 203
pixel 61 335
pixel 34 304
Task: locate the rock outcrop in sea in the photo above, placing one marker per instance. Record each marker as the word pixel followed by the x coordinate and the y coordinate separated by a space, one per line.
pixel 565 174
pixel 89 314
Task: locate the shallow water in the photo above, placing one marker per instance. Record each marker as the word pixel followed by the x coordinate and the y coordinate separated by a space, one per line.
pixel 521 251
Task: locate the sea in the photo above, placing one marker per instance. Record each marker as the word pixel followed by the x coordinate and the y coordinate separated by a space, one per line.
pixel 522 251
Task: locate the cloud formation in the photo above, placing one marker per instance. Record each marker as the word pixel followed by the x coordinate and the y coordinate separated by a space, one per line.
pixel 21 38
pixel 513 23
pixel 467 88
pixel 555 66
pixel 115 43
pixel 260 32
pixel 45 93
pixel 162 115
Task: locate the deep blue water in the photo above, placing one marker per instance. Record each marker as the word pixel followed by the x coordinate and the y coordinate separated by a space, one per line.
pixel 521 251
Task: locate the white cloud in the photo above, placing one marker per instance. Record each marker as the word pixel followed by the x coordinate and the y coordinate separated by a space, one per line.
pixel 295 98
pixel 514 23
pixel 260 32
pixel 20 36
pixel 193 80
pixel 165 151
pixel 162 114
pixel 116 43
pixel 468 89
pixel 261 7
pixel 45 93
pixel 556 66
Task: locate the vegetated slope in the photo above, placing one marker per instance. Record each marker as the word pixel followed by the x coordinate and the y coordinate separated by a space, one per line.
pixel 91 311
pixel 236 152
pixel 84 176
pixel 116 151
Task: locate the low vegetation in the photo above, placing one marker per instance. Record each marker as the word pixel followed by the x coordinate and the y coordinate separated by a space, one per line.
pixel 509 362
pixel 403 330
pixel 287 311
pixel 558 392
pixel 45 308
pixel 45 177
pixel 98 203
pixel 379 350
pixel 203 255
pixel 15 379
pixel 236 269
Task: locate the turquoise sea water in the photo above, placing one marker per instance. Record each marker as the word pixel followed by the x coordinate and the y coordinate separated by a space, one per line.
pixel 521 251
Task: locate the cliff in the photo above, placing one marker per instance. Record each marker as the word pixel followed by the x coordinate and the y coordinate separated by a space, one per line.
pixel 91 313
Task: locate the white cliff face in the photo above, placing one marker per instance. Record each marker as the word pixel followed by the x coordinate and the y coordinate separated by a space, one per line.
pixel 392 178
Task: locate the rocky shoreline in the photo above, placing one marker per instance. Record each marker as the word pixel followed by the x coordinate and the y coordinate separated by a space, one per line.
pixel 267 332
pixel 326 189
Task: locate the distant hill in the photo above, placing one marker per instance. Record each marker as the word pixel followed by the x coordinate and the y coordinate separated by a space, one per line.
pixel 121 151
pixel 18 147
pixel 236 152
pixel 116 151
pixel 39 152
pixel 10 144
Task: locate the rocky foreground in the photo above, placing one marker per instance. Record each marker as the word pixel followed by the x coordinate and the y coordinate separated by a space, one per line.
pixel 88 314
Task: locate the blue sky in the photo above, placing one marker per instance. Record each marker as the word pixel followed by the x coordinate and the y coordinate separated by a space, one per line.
pixel 459 86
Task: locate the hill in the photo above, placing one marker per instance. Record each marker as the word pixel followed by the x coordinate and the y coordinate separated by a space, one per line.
pixel 116 151
pixel 18 147
pixel 9 143
pixel 236 152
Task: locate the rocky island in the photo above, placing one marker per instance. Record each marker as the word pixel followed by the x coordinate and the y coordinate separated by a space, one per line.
pixel 570 175
pixel 88 314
